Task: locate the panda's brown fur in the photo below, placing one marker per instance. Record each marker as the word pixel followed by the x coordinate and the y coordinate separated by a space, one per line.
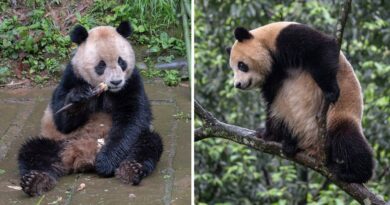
pixel 274 58
pixel 82 144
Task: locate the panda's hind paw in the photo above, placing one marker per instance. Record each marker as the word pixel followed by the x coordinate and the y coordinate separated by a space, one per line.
pixel 130 172
pixel 261 132
pixel 36 183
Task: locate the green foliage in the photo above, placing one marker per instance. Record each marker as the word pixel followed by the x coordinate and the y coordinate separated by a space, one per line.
pixel 165 42
pixel 4 74
pixel 151 73
pixel 231 173
pixel 35 44
pixel 165 59
pixel 152 17
pixel 171 77
pixel 182 116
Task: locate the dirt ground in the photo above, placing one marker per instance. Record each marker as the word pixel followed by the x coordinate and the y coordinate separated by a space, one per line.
pixel 21 110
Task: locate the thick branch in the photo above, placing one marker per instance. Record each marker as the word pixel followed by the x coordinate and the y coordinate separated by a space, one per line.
pixel 213 128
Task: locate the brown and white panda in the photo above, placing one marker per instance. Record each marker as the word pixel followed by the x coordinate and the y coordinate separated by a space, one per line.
pixel 121 116
pixel 298 69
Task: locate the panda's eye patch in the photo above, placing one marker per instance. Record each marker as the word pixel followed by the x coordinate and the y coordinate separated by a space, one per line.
pixel 99 69
pixel 243 67
pixel 122 63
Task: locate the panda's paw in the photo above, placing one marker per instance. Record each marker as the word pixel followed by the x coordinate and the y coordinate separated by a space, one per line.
pixel 36 183
pixel 349 156
pixel 103 165
pixel 290 149
pixel 130 172
pixel 353 169
pixel 80 94
pixel 332 93
pixel 261 133
pixel 290 146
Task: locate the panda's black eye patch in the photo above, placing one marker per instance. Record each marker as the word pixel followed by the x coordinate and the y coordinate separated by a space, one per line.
pixel 243 67
pixel 122 63
pixel 99 69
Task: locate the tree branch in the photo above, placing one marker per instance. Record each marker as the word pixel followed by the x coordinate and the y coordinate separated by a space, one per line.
pixel 342 21
pixel 213 128
pixel 338 34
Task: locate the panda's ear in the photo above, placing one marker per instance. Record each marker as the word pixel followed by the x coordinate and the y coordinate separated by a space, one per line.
pixel 228 50
pixel 124 29
pixel 242 34
pixel 79 34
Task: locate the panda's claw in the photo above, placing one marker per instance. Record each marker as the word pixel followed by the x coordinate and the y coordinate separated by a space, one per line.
pixel 35 183
pixel 130 172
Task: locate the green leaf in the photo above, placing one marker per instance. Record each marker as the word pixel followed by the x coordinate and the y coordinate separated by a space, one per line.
pixel 141 29
pixel 339 202
pixel 155 49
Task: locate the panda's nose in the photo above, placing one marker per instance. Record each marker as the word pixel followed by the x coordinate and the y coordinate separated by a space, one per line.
pixel 116 82
pixel 238 85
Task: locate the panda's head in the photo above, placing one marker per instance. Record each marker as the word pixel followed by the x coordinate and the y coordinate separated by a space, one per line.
pixel 250 59
pixel 103 55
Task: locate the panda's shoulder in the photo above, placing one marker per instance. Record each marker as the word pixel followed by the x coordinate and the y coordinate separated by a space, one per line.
pixel 70 78
pixel 135 77
pixel 134 85
pixel 303 36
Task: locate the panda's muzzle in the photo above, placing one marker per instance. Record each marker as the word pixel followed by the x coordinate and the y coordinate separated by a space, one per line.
pixel 115 85
pixel 116 82
pixel 239 85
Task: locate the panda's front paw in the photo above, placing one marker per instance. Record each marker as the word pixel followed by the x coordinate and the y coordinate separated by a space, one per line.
pixel 332 94
pixel 80 94
pixel 103 165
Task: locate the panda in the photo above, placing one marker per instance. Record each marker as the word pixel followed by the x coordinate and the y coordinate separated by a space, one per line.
pixel 71 141
pixel 298 69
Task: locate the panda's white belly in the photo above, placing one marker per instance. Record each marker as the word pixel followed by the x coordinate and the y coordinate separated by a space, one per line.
pixel 298 103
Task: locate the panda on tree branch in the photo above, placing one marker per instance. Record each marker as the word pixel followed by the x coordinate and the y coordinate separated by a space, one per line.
pixel 121 116
pixel 298 70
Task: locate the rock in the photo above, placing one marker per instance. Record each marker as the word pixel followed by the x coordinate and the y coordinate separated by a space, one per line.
pixel 141 65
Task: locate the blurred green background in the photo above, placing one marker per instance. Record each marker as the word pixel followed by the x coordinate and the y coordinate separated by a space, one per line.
pixel 228 173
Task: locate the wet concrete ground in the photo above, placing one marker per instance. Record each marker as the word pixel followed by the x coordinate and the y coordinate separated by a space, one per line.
pixel 20 114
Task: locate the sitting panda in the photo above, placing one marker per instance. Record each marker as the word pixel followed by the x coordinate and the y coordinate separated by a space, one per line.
pixel 299 69
pixel 121 116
